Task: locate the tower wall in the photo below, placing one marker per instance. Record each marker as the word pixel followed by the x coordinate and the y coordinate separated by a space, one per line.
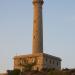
pixel 37 46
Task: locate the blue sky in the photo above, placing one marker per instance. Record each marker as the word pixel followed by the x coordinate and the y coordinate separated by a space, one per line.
pixel 16 23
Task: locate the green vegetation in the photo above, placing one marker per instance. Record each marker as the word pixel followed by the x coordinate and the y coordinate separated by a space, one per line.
pixel 14 72
pixel 28 71
pixel 57 72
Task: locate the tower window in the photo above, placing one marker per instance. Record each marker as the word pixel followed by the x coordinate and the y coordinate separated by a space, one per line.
pixel 34 21
pixel 34 37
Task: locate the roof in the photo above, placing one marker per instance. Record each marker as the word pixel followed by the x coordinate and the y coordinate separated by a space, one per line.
pixel 38 54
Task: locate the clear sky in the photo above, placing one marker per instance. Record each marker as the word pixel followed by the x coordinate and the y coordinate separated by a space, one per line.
pixel 16 22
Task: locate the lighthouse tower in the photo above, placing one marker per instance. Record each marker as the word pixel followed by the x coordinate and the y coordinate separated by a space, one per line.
pixel 37 44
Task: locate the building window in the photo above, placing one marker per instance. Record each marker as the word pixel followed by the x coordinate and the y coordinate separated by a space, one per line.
pixel 37 69
pixel 50 61
pixel 33 60
pixel 46 59
pixel 38 60
pixel 57 64
pixel 26 61
pixel 53 62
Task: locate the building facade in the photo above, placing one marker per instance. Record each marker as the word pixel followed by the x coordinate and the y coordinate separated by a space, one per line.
pixel 40 59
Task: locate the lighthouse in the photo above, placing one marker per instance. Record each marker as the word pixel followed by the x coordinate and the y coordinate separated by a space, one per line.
pixel 40 59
